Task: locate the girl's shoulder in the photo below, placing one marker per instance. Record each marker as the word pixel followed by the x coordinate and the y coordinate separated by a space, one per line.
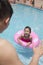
pixel 30 37
pixel 22 35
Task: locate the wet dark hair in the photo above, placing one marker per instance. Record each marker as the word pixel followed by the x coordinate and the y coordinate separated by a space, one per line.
pixel 5 9
pixel 28 28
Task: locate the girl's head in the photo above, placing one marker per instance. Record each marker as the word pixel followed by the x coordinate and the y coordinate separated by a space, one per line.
pixel 27 31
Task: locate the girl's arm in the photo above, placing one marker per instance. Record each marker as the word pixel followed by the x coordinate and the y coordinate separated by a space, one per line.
pixel 29 42
pixel 19 40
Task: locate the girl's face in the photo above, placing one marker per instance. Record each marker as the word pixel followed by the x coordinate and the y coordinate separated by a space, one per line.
pixel 26 32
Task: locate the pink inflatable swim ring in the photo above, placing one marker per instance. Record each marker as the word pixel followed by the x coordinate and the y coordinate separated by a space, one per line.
pixel 35 39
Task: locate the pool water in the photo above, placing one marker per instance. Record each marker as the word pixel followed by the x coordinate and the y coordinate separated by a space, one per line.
pixel 24 16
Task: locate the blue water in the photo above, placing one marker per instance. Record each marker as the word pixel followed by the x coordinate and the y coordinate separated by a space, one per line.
pixel 24 16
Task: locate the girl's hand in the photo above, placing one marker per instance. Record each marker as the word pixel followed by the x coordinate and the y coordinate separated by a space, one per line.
pixel 28 44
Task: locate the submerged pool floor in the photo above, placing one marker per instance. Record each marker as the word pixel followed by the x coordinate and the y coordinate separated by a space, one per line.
pixel 24 16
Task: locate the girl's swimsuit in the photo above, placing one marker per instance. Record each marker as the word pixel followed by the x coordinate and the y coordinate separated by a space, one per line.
pixel 25 40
